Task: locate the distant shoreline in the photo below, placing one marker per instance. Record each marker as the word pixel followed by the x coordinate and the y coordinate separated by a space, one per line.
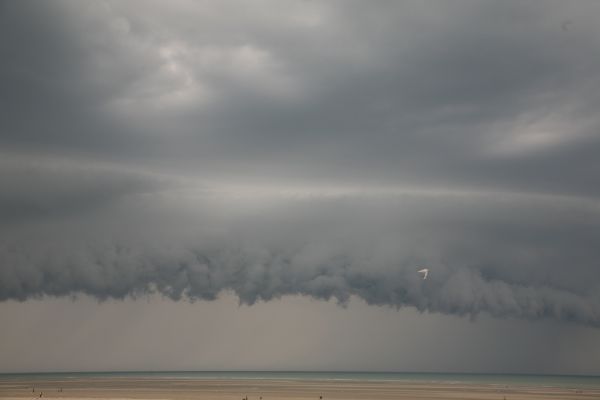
pixel 564 381
pixel 121 387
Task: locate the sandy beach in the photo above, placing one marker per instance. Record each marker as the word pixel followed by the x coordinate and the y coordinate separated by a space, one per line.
pixel 253 389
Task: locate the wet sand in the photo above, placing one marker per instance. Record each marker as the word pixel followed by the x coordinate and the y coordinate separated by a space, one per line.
pixel 255 389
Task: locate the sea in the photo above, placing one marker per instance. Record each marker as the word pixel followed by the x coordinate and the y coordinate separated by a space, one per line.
pixel 563 381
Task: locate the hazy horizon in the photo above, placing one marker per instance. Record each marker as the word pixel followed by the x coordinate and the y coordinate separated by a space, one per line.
pixel 285 374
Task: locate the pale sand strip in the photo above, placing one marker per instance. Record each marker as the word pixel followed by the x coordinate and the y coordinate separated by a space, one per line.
pixel 254 389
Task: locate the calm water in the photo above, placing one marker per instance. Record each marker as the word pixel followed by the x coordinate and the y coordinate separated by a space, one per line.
pixel 570 381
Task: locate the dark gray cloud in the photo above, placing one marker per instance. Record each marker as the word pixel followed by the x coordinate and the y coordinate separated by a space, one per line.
pixel 500 256
pixel 39 187
pixel 316 148
pixel 472 95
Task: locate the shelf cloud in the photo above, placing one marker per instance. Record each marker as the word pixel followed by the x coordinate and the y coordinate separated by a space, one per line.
pixel 323 149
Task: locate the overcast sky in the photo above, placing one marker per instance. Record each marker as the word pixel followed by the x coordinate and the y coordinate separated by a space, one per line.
pixel 253 185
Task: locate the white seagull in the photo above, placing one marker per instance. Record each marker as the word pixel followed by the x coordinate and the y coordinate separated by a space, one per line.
pixel 424 271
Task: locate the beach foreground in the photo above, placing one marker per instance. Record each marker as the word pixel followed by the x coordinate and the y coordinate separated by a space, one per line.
pixel 265 389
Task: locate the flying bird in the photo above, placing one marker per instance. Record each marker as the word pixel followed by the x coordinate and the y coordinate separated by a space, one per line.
pixel 425 272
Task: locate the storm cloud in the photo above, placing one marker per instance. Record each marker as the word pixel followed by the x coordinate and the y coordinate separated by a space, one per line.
pixel 326 149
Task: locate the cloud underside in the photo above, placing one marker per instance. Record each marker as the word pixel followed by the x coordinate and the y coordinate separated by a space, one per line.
pixel 316 148
pixel 486 252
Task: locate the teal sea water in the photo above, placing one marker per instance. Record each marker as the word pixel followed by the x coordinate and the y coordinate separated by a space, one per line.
pixel 566 381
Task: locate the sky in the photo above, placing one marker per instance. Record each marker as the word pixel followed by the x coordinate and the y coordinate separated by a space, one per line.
pixel 208 185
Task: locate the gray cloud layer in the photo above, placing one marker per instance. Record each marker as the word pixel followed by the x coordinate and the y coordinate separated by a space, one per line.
pixel 317 148
pixel 486 255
